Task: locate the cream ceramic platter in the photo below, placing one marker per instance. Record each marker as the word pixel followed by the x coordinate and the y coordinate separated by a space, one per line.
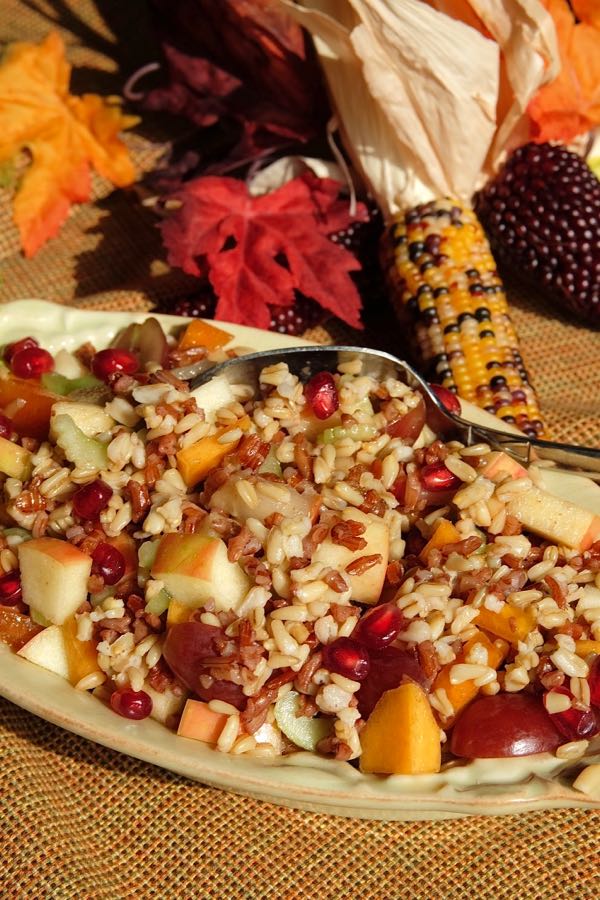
pixel 304 781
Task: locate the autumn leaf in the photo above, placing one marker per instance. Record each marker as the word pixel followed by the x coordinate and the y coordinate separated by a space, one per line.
pixel 570 105
pixel 64 135
pixel 261 250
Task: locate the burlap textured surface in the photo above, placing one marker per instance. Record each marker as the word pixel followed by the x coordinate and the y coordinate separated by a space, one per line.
pixel 78 820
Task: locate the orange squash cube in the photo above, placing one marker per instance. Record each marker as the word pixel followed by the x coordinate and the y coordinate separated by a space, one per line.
pixel 202 334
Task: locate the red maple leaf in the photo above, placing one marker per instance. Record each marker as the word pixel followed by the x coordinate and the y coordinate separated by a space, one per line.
pixel 260 250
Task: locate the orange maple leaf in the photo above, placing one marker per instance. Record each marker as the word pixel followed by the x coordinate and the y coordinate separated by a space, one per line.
pixel 570 105
pixel 64 135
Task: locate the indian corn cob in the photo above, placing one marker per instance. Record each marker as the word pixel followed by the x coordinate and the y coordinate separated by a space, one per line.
pixel 446 289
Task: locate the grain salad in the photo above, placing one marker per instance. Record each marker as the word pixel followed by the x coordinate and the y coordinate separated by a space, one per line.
pixel 309 567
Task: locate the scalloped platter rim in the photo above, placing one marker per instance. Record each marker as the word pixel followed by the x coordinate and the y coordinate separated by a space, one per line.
pixel 302 780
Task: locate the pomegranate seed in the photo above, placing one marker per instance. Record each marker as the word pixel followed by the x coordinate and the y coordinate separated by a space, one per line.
pixel 436 477
pixel 131 704
pixel 23 344
pixel 347 658
pixel 31 362
pixel 106 362
pixel 574 724
pixel 6 426
pixel 91 499
pixel 322 395
pixel 10 589
pixel 108 562
pixel 447 398
pixel 380 626
pixel 594 682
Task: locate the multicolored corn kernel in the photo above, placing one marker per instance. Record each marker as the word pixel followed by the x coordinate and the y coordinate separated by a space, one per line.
pixel 444 282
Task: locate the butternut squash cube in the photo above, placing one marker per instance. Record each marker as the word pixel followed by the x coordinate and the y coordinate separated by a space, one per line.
pixel 445 533
pixel 401 736
pixel 461 694
pixel 510 623
pixel 200 723
pixel 202 334
pixel 196 461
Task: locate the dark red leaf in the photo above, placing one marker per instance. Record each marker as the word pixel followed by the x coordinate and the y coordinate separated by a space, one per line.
pixel 260 250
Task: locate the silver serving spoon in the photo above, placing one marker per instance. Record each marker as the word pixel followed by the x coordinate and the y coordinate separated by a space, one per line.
pixel 307 361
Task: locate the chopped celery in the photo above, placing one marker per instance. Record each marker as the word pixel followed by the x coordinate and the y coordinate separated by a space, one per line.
pixel 147 554
pixel 78 448
pixel 15 536
pixel 60 384
pixel 271 465
pixel 355 432
pixel 301 730
pixel 159 603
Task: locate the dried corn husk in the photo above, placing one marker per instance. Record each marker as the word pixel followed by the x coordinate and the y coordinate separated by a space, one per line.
pixel 426 102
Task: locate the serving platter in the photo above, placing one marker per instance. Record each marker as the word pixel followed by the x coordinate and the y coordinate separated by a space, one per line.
pixel 302 780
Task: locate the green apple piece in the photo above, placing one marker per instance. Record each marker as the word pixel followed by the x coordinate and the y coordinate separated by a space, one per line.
pixel 54 576
pixel 195 568
pixel 554 518
pixel 78 448
pixel 166 704
pixel 270 465
pixel 275 498
pixel 213 395
pixel 303 731
pixel 159 603
pixel 90 419
pixel 15 461
pixel 47 649
pixel 366 588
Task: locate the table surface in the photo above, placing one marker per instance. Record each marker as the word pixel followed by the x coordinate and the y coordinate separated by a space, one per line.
pixel 81 820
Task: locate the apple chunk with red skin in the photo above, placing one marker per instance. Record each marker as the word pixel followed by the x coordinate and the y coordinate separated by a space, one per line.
pixel 54 577
pixel 195 568
pixel 367 587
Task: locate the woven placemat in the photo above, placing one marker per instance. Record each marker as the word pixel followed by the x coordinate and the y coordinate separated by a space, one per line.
pixel 78 820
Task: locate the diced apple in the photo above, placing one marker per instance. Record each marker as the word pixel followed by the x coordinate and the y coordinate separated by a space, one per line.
pixel 203 334
pixel 213 395
pixel 54 576
pixel 31 418
pixel 196 460
pixel 68 365
pixel 498 465
pixel 47 649
pixel 165 704
pixel 573 488
pixel 90 419
pixel 271 496
pixel 195 568
pixel 15 461
pixel 366 588
pixel 556 519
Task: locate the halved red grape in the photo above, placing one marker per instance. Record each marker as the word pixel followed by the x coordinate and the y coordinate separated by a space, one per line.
pixel 186 647
pixel 348 658
pixel 390 667
pixel 6 426
pixel 322 395
pixel 504 725
pixel 108 562
pixel 113 360
pixel 409 426
pixel 131 704
pixel 90 499
pixel 31 362
pixel 380 626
